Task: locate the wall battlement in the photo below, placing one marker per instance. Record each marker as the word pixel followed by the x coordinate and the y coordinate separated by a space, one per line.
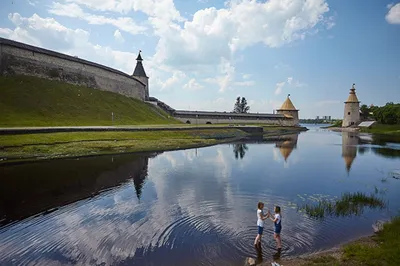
pixel 22 59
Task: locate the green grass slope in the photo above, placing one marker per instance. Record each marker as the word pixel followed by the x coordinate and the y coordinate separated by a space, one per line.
pixel 30 101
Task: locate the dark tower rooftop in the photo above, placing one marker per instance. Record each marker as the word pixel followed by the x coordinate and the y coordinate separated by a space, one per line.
pixel 139 70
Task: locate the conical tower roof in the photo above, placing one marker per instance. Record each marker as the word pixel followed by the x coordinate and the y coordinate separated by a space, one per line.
pixel 287 105
pixel 286 151
pixel 349 161
pixel 139 70
pixel 286 147
pixel 352 96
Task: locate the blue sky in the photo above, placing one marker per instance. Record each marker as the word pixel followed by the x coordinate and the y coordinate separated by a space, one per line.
pixel 202 54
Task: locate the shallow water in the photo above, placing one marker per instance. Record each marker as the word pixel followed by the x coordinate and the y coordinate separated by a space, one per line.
pixel 195 207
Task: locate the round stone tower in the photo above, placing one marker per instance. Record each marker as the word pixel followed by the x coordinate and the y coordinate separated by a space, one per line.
pixel 351 109
pixel 288 109
pixel 140 74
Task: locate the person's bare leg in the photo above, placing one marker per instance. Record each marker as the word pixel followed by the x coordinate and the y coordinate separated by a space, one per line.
pixel 257 239
pixel 278 241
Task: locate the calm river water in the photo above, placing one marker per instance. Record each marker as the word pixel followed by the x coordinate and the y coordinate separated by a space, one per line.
pixel 192 207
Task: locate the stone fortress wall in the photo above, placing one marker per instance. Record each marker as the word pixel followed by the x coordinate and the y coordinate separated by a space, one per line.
pixel 276 122
pixel 21 59
pixel 233 119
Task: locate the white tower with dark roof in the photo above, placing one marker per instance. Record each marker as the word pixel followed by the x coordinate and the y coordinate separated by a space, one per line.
pixel 351 109
pixel 140 74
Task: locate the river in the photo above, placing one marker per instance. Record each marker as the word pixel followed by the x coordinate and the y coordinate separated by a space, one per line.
pixel 193 207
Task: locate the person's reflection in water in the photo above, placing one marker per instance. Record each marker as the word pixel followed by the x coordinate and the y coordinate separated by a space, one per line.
pixel 277 255
pixel 259 255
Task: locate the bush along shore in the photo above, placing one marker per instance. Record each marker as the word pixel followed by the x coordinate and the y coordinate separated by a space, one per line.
pixel 382 248
pixel 27 147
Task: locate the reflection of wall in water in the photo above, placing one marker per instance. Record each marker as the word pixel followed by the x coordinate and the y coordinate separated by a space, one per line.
pixel 29 189
pixel 287 145
pixel 349 148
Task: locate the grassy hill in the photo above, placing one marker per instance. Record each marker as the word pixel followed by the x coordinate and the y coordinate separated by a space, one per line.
pixel 30 101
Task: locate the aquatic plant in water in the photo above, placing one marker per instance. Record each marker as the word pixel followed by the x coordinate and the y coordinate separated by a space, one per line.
pixel 349 204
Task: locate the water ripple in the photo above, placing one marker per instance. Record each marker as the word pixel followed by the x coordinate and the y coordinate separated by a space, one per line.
pixel 183 216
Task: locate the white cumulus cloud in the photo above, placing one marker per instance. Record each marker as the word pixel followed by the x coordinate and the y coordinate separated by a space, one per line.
pixel 290 81
pixel 393 16
pixel 279 87
pixel 204 47
pixel 177 77
pixel 48 33
pixel 74 11
pixel 192 85
pixel 118 36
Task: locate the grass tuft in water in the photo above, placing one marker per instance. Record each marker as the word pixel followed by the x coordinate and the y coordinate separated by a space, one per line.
pixel 349 204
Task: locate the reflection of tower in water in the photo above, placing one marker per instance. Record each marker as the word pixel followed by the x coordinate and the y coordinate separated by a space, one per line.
pixel 287 144
pixel 349 148
pixel 139 176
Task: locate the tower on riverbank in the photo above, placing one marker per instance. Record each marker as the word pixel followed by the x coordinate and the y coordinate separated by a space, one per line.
pixel 351 109
pixel 288 109
pixel 140 74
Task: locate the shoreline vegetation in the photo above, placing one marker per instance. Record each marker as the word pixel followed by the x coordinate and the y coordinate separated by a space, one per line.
pixel 378 129
pixel 380 248
pixel 42 146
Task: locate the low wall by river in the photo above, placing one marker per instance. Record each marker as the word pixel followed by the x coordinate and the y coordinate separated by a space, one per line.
pixel 277 122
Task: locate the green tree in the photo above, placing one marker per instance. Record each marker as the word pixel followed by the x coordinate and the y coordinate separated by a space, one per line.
pixel 388 114
pixel 364 110
pixel 241 105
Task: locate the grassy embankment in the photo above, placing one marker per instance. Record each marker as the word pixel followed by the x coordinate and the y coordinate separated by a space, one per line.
pixel 337 123
pixel 380 249
pixel 383 129
pixel 29 101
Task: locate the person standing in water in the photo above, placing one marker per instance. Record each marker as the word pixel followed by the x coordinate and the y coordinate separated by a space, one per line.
pixel 277 226
pixel 260 224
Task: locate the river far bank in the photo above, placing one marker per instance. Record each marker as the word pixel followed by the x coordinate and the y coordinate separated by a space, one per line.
pixel 375 129
pixel 31 144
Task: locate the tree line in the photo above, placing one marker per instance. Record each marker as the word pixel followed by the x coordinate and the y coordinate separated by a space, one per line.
pixel 387 114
